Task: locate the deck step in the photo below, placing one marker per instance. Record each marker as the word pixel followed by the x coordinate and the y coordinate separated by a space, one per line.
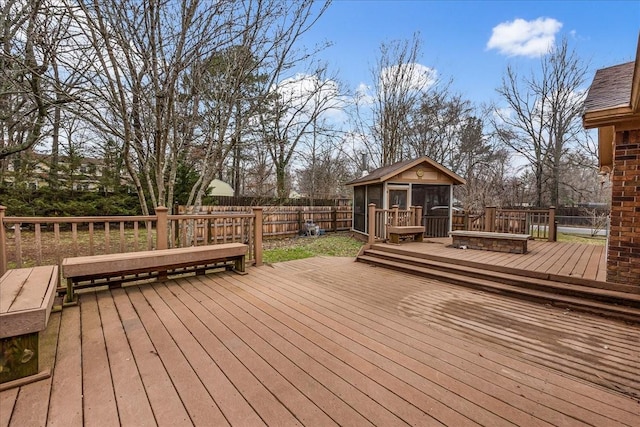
pixel 401 250
pixel 606 302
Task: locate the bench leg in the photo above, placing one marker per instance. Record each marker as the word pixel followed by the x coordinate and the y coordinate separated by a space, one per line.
pixel 69 297
pixel 239 264
pixel 395 238
pixel 418 237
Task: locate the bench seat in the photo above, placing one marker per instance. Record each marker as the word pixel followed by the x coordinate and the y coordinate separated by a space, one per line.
pixel 489 241
pixel 90 268
pixel 398 231
pixel 26 300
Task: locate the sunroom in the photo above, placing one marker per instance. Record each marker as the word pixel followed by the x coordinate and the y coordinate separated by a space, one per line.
pixel 419 183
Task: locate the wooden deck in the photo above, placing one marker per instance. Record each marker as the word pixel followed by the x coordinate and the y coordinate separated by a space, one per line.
pixel 576 260
pixel 325 341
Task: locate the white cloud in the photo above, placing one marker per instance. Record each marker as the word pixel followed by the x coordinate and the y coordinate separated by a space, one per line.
pixel 411 76
pixel 363 95
pixel 524 38
pixel 308 93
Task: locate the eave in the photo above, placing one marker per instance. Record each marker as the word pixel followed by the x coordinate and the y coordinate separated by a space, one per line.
pixel 609 117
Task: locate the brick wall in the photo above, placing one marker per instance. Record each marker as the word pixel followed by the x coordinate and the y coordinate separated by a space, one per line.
pixel 623 265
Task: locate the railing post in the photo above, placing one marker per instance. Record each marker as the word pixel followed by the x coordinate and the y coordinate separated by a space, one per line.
pixel 490 219
pixel 162 236
pixel 412 215
pixel 257 235
pixel 418 215
pixel 3 242
pixel 371 215
pixel 552 224
pixel 394 221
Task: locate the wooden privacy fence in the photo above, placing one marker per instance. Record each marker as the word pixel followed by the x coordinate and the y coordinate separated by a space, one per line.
pixel 284 221
pixel 32 241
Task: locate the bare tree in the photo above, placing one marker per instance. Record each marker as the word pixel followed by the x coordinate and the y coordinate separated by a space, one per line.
pixel 324 167
pixel 293 116
pixel 399 83
pixel 25 58
pixel 180 78
pixel 542 121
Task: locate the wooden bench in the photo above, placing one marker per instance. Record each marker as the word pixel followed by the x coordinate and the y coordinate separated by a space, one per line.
pixel 488 241
pixel 26 299
pixel 400 231
pixel 99 270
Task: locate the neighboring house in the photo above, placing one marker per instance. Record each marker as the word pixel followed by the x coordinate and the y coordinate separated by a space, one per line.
pixel 80 174
pixel 613 107
pixel 419 182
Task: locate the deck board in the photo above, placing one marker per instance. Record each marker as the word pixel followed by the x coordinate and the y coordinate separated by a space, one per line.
pixel 327 341
pixel 565 259
pixel 166 404
pixel 98 395
pixel 200 405
pixel 304 395
pixel 411 336
pixel 191 337
pixel 318 350
pixel 65 402
pixel 561 335
pixel 336 337
pixel 131 400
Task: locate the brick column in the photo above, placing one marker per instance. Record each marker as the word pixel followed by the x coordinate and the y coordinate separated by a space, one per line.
pixel 623 263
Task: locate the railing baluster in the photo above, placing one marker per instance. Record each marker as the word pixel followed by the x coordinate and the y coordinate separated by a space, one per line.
pixel 136 245
pixel 122 238
pixel 149 235
pixel 91 246
pixel 18 240
pixel 38 237
pixel 107 241
pixel 56 240
pixel 74 237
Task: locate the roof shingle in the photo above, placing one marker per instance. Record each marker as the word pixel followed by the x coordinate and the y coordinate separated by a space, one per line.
pixel 611 88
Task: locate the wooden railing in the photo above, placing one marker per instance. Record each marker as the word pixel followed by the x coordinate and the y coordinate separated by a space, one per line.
pixel 539 223
pixel 30 241
pixel 382 217
pixel 436 226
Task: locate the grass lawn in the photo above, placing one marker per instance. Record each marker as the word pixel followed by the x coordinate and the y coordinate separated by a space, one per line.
pixel 343 244
pixel 335 244
pixel 574 238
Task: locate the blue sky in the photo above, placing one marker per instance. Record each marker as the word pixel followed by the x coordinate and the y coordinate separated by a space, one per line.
pixel 455 36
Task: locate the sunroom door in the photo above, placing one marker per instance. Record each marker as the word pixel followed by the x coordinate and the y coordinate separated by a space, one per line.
pixel 399 195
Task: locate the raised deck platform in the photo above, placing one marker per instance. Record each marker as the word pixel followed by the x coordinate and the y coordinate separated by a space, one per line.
pixel 326 341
